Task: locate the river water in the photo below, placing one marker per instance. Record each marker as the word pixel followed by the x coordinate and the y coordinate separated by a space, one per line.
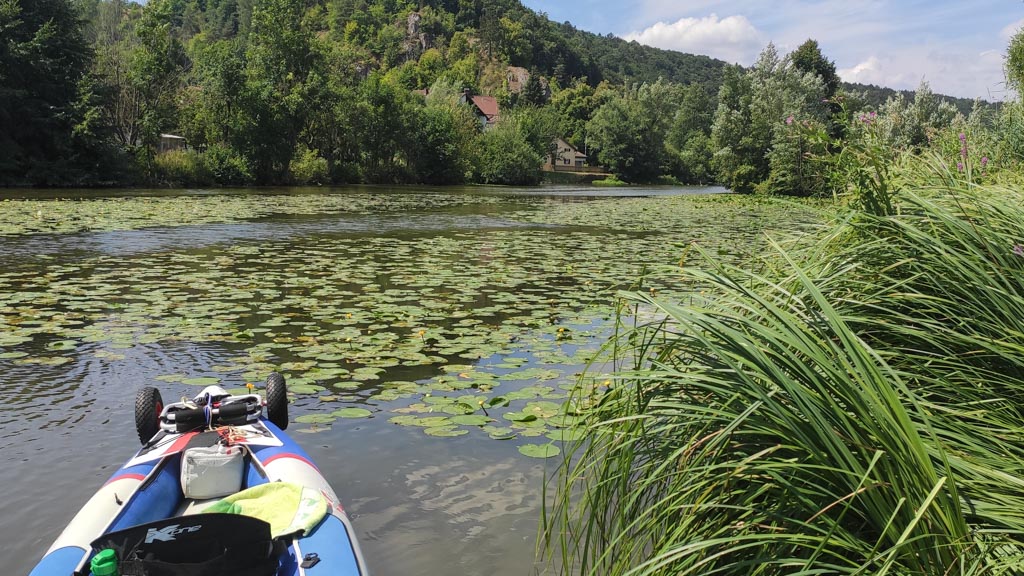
pixel 396 301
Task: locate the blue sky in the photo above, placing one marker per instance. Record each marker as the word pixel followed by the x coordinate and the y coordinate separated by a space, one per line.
pixel 958 46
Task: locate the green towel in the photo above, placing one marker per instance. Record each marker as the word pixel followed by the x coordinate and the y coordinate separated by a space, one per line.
pixel 287 507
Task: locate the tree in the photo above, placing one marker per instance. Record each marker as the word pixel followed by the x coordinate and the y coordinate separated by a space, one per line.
pixel 43 60
pixel 446 132
pixel 809 60
pixel 911 125
pixel 384 119
pixel 630 130
pixel 752 147
pixel 507 158
pixel 689 138
pixel 735 158
pixel 1015 62
pixel 534 93
pixel 278 90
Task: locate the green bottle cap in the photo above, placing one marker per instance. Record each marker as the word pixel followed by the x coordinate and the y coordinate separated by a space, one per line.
pixel 104 563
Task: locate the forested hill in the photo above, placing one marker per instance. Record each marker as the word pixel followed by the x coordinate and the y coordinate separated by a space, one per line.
pixel 99 92
pixel 509 31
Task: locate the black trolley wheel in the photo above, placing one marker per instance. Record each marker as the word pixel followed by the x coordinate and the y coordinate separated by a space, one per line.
pixel 148 406
pixel 277 400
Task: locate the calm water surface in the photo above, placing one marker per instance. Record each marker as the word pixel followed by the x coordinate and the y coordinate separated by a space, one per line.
pixel 92 311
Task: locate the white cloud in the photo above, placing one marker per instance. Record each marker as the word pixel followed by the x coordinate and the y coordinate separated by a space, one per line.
pixel 961 74
pixel 732 38
pixel 1010 30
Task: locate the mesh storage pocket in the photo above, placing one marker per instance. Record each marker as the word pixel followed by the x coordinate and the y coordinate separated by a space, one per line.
pixel 212 472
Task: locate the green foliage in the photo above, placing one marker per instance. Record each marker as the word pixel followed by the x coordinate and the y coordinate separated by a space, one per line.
pixel 506 157
pixel 688 141
pixel 846 406
pixel 629 131
pixel 912 125
pixel 755 146
pixel 1015 61
pixel 443 150
pixel 226 167
pixel 272 79
pixel 1011 134
pixel 809 60
pixel 182 168
pixel 384 125
pixel 308 167
pixel 43 60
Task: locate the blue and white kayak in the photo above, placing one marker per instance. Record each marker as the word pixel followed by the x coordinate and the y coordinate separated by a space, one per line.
pixel 217 488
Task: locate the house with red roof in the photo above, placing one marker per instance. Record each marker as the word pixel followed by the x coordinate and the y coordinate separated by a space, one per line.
pixel 486 109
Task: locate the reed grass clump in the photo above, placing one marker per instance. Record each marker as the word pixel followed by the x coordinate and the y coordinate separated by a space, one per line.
pixel 853 407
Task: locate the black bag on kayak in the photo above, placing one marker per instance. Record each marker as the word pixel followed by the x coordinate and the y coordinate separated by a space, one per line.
pixel 197 545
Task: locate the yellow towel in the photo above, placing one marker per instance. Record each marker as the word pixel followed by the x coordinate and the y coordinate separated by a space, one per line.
pixel 287 507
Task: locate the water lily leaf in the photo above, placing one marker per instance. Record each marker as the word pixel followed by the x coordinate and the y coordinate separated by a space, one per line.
pixel 62 345
pixel 540 450
pixel 499 433
pixel 472 420
pixel 12 355
pixel 497 401
pixel 404 420
pixel 519 416
pixel 171 377
pixel 428 422
pixel 45 360
pixel 315 419
pixel 542 409
pixel 305 388
pixel 201 381
pixel 352 413
pixel 445 431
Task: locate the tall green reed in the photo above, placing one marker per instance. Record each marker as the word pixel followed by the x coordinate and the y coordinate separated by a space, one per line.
pixel 852 408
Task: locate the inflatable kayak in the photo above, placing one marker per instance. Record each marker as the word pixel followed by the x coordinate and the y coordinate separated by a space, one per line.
pixel 216 490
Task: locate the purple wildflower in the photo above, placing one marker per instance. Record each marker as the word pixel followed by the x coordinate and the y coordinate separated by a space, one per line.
pixel 963 151
pixel 984 161
pixel 960 166
pixel 789 121
pixel 963 138
pixel 1018 250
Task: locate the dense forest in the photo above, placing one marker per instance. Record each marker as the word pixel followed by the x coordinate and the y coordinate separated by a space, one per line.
pixel 396 91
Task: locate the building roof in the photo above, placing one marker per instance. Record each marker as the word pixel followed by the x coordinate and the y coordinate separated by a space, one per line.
pixel 488 106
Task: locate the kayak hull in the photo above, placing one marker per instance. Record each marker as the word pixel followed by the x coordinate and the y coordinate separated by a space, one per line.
pixel 148 488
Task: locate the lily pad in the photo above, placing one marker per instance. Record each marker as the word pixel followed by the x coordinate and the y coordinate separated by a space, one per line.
pixel 315 419
pixel 352 413
pixel 445 431
pixel 540 450
pixel 499 433
pixel 519 416
pixel 201 381
pixel 472 420
pixel 63 345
